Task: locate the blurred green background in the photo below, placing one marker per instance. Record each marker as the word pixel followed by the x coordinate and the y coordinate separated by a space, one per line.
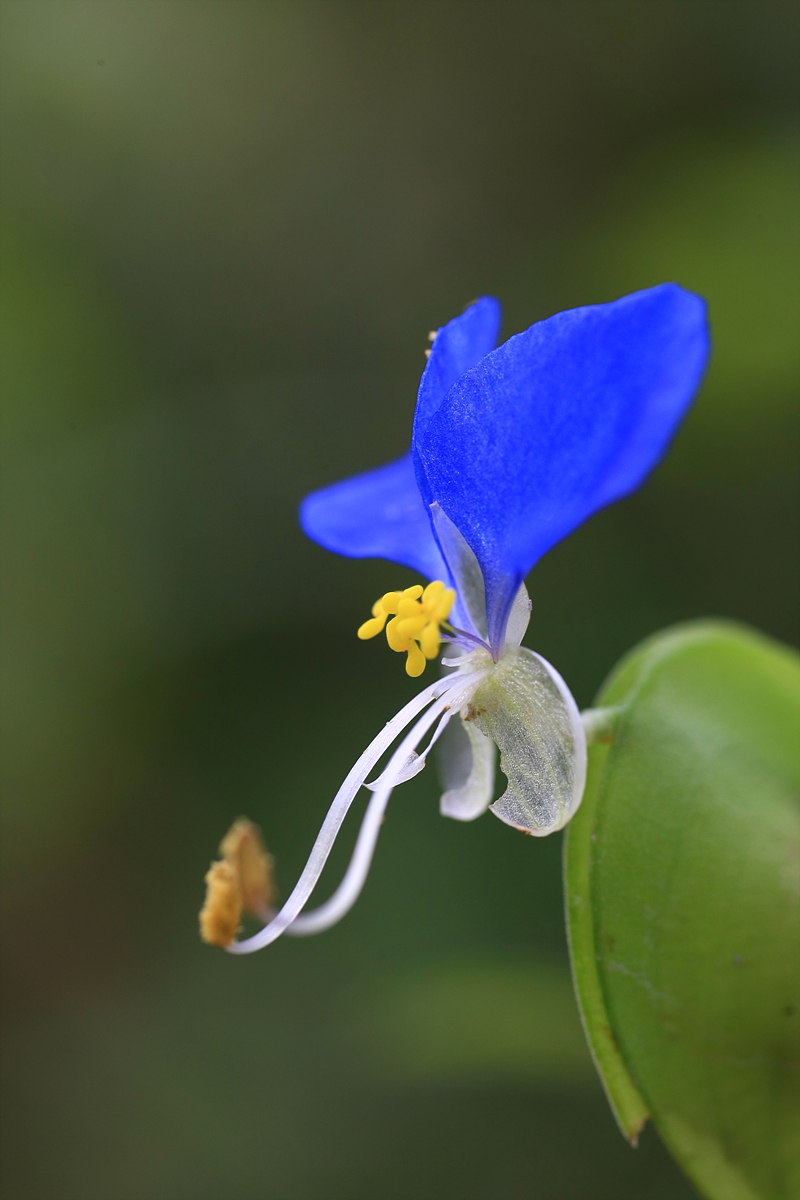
pixel 228 227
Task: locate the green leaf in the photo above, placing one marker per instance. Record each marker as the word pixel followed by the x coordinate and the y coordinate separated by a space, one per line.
pixel 683 904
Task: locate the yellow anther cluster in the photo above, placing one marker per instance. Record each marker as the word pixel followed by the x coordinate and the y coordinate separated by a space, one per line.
pixel 416 616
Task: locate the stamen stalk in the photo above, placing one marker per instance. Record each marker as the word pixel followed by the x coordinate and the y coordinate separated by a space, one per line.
pixel 349 889
pixel 338 811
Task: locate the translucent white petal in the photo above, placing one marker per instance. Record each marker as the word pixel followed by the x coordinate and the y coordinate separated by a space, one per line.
pixel 469 611
pixel 466 763
pixel 526 707
pixel 519 617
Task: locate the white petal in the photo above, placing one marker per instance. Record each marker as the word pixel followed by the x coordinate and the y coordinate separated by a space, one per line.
pixel 466 764
pixel 470 606
pixel 526 707
pixel 519 617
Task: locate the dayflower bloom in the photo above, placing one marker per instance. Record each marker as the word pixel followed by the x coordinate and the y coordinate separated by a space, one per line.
pixel 511 449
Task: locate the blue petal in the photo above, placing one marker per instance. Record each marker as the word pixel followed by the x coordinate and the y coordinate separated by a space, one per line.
pixel 558 422
pixel 458 345
pixel 379 514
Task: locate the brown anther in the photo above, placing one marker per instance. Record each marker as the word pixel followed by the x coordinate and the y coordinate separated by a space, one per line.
pixel 243 848
pixel 240 881
pixel 222 910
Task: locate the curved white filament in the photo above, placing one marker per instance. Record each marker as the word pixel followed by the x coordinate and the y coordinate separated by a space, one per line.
pixel 355 877
pixel 415 762
pixel 341 804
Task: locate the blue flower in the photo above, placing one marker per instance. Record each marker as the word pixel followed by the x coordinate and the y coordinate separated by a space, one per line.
pixel 521 444
pixel 511 449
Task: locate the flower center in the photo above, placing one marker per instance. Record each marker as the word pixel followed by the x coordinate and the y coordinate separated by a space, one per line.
pixel 416 617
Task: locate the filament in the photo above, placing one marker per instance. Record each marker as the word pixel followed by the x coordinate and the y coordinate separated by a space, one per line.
pixel 338 810
pixel 355 877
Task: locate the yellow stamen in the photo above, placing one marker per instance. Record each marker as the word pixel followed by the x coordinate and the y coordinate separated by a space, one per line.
pixel 415 663
pixel 414 629
pixel 430 641
pixel 371 629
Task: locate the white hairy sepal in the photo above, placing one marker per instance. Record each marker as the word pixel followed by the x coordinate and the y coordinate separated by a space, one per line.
pixel 525 707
